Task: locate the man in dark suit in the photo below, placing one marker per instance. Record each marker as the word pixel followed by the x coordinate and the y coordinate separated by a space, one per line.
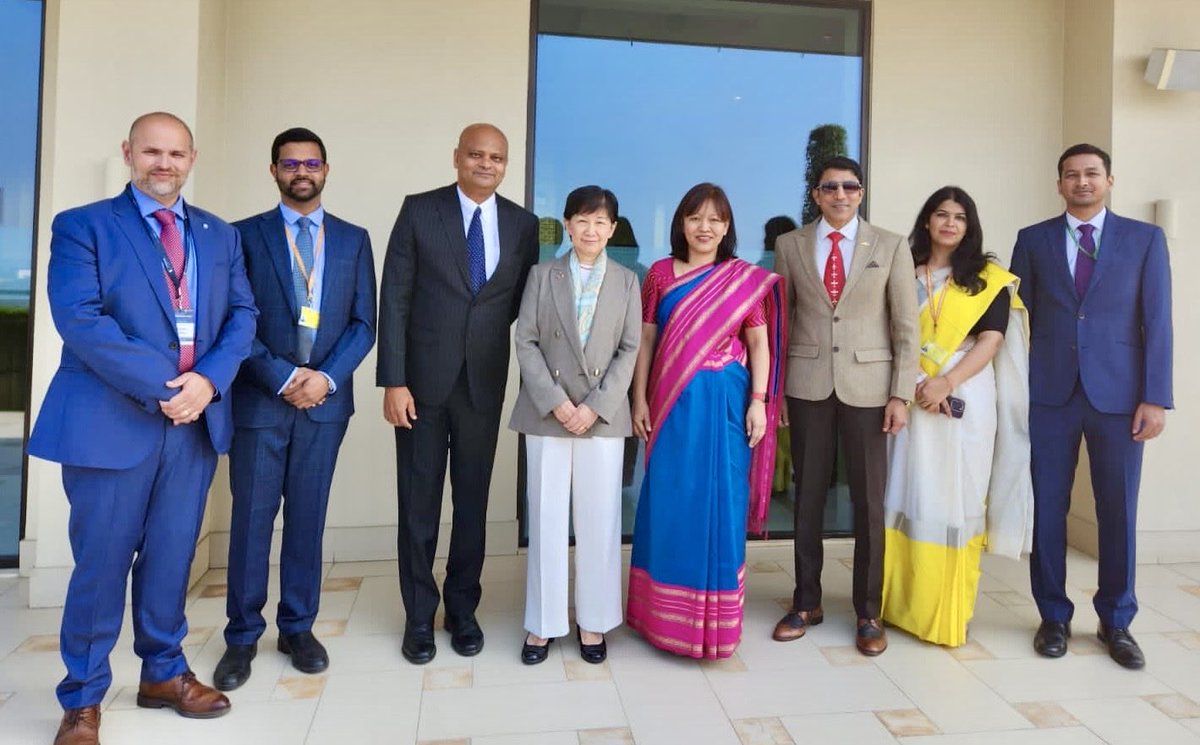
pixel 1098 290
pixel 313 277
pixel 150 297
pixel 456 266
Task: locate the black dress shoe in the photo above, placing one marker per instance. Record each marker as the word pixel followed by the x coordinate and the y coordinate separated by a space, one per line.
pixel 532 654
pixel 1051 638
pixel 466 637
pixel 1121 647
pixel 308 655
pixel 234 668
pixel 418 647
pixel 593 653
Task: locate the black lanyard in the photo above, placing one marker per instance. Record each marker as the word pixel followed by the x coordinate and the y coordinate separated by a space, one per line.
pixel 188 241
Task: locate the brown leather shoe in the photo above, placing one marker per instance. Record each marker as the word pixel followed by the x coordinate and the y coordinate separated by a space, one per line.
pixel 79 727
pixel 187 696
pixel 796 623
pixel 870 639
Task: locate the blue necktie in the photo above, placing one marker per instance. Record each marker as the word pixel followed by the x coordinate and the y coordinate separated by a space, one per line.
pixel 1085 260
pixel 304 245
pixel 475 260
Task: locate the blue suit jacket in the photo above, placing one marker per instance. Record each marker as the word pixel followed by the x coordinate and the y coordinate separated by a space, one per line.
pixel 1117 341
pixel 346 333
pixel 110 305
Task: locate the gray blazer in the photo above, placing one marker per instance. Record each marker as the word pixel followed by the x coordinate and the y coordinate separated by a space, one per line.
pixel 555 367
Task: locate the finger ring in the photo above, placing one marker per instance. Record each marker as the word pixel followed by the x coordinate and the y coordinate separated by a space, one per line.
pixel 187 412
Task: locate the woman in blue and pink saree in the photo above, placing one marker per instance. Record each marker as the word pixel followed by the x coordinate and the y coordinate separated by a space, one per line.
pixel 706 398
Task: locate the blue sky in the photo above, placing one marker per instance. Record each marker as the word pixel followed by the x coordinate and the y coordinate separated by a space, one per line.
pixel 650 120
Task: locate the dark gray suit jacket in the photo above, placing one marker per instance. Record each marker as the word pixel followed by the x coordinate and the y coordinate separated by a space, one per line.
pixel 430 324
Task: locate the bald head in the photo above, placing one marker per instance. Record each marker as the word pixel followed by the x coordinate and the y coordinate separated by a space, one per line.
pixel 161 117
pixel 481 159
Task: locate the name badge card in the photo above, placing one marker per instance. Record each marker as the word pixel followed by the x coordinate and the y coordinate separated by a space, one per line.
pixel 185 325
pixel 310 318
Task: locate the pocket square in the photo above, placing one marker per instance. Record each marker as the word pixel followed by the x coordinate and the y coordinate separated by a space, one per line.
pixel 872 265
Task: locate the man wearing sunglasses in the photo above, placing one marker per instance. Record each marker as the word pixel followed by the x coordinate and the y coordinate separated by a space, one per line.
pixel 851 371
pixel 313 276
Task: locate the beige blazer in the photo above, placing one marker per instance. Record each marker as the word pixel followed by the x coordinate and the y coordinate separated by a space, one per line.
pixel 866 350
pixel 555 367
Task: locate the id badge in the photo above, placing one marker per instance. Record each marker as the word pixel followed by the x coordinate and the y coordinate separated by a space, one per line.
pixel 310 318
pixel 185 326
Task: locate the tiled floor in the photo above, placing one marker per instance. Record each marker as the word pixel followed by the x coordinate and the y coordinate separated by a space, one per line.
pixel 994 690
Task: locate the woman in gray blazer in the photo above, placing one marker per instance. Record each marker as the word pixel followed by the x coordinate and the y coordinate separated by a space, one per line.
pixel 577 339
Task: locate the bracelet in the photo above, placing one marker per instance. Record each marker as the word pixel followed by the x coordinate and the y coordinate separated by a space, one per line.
pixel 758 397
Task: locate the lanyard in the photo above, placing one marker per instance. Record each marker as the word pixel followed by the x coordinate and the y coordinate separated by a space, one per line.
pixel 308 274
pixel 935 305
pixel 188 242
pixel 1093 255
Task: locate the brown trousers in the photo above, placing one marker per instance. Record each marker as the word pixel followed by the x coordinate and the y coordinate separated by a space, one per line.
pixel 816 427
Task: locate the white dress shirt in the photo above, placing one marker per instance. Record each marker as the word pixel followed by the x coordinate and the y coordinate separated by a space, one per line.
pixel 1073 223
pixel 849 232
pixel 491 228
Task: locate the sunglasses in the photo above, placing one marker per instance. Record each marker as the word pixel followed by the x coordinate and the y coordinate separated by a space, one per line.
pixel 831 187
pixel 291 165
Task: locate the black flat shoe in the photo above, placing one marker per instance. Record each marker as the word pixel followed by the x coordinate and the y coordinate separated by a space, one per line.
pixel 593 653
pixel 234 668
pixel 1051 638
pixel 532 654
pixel 1121 647
pixel 418 646
pixel 308 655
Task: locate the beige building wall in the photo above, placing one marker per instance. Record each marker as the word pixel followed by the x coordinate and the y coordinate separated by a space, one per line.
pixel 974 92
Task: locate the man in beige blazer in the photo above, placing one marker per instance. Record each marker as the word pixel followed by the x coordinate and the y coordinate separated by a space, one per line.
pixel 851 372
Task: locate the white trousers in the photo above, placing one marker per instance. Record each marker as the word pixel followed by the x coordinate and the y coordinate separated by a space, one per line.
pixel 587 471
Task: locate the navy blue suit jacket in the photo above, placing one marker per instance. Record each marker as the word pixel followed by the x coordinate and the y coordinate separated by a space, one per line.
pixel 1117 341
pixel 111 306
pixel 346 333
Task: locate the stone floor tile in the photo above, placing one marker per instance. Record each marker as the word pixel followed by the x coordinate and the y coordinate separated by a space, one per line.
pixel 531 738
pixel 972 650
pixel 731 664
pixel 1046 714
pixel 498 710
pixel 198 635
pixel 437 678
pixel 365 569
pixel 1185 639
pixel 327 628
pixel 856 728
pixel 40 643
pixel 769 731
pixel 459 741
pixel 845 655
pixel 299 687
pixel 907 722
pixel 1129 721
pixel 214 591
pixel 606 736
pixel 341 584
pixel 1072 677
pixel 1174 705
pixel 580 670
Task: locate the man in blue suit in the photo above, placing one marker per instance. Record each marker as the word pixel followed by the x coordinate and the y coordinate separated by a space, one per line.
pixel 150 296
pixel 314 280
pixel 1098 290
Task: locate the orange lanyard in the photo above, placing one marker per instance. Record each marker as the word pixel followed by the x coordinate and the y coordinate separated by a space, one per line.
pixel 309 275
pixel 935 308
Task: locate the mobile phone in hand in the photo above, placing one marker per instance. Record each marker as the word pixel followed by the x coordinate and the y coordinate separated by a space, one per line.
pixel 957 406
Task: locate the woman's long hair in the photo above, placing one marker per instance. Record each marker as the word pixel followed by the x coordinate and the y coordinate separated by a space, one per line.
pixel 968 260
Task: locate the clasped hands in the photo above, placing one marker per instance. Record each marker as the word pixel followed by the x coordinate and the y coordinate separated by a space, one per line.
pixel 307 388
pixel 196 392
pixel 575 419
pixel 931 395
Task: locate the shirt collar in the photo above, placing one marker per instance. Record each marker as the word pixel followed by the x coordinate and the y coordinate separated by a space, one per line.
pixel 148 205
pixel 1097 222
pixel 849 231
pixel 290 216
pixel 468 205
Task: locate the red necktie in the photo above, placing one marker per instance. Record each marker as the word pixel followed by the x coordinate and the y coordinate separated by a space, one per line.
pixel 172 244
pixel 835 272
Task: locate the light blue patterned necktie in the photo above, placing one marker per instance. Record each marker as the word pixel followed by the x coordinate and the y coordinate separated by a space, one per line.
pixel 304 245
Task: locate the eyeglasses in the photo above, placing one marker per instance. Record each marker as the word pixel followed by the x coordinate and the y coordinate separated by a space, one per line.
pixel 831 187
pixel 291 165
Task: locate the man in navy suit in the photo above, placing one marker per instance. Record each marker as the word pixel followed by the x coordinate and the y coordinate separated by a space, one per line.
pixel 150 296
pixel 313 277
pixel 1098 290
pixel 456 266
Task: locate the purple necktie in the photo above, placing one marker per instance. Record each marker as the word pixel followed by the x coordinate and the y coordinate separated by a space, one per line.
pixel 1085 260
